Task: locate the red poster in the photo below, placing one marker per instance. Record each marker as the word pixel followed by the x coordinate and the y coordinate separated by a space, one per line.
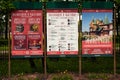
pixel 20 42
pixel 34 44
pixel 97 29
pixel 26 29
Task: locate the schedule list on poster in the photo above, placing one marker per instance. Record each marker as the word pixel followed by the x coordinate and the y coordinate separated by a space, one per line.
pixel 62 32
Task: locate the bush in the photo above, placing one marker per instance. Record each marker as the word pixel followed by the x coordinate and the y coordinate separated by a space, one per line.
pixel 101 76
pixel 62 77
pixel 3 42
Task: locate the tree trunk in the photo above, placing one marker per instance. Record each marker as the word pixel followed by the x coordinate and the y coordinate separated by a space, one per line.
pixel 6 26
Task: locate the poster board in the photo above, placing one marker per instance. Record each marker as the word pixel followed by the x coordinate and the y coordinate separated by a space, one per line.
pixel 27 33
pixel 62 32
pixel 97 30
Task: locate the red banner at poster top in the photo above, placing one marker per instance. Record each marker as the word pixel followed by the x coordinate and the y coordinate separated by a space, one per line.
pixel 27 32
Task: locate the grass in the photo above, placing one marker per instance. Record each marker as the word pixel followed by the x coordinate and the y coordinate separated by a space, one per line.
pixel 3 48
pixel 62 65
pixel 58 65
pixel 64 76
pixel 101 76
pixel 23 66
pixel 100 65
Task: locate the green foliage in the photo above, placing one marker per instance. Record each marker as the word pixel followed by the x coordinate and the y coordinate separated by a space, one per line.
pixel 3 42
pixel 96 69
pixel 6 6
pixel 117 1
pixel 62 64
pixel 101 76
pixel 62 77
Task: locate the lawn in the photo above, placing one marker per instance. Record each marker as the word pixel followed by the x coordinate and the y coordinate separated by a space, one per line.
pixel 60 65
pixel 57 65
pixel 101 65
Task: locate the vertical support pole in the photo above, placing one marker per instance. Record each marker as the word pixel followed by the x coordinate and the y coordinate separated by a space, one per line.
pixel 45 51
pixel 114 43
pixel 79 40
pixel 9 49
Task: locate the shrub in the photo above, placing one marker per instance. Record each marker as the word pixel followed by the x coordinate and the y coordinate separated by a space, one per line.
pixel 62 77
pixel 3 42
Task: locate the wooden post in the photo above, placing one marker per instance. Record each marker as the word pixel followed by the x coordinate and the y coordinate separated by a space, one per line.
pixel 114 43
pixel 9 49
pixel 79 41
pixel 44 47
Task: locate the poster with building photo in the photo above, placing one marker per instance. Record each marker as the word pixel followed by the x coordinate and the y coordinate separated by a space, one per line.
pixel 97 30
pixel 26 32
pixel 62 32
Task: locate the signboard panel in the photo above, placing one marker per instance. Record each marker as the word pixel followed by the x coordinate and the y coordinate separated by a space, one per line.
pixel 27 32
pixel 97 29
pixel 62 32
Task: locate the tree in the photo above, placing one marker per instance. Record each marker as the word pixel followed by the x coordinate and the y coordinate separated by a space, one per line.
pixel 117 1
pixel 6 7
pixel 117 7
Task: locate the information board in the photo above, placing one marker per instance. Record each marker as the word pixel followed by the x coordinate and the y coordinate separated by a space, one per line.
pixel 62 32
pixel 27 32
pixel 97 30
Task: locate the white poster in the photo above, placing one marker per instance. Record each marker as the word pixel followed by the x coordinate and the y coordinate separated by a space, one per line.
pixel 62 32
